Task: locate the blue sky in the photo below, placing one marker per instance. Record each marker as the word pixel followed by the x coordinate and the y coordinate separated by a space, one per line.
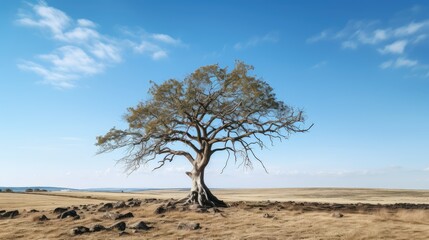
pixel 358 68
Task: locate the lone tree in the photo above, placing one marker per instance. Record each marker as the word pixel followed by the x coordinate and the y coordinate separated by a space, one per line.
pixel 210 111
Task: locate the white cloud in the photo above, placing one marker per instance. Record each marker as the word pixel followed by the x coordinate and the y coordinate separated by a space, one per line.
pixel 166 39
pixel 411 28
pixel 106 51
pixel 84 51
pixel 399 63
pixel 85 23
pixel 394 48
pixel 255 41
pixel 155 51
pixel 386 40
pixel 70 59
pixel 403 62
pixel 159 55
pixel 44 16
pixel 64 65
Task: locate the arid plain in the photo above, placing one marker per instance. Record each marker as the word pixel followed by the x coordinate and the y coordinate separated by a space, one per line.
pixel 310 213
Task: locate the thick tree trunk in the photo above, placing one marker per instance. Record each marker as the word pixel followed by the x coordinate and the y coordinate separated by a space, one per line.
pixel 200 194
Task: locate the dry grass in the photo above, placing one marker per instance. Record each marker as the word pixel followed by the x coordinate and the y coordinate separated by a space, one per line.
pixel 243 221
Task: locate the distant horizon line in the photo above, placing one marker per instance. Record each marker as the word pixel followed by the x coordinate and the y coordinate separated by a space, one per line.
pixel 134 189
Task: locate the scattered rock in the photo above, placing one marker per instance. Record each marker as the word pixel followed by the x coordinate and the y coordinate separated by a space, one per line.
pixel 33 211
pixel 140 226
pixel 267 215
pixel 337 215
pixel 119 226
pixel 126 215
pixel 2 211
pixel 79 230
pixel 70 213
pixel 97 228
pixel 188 226
pixel 120 204
pixel 41 218
pixel 123 234
pixel 111 215
pixel 150 200
pixel 131 199
pixel 160 210
pixel 117 216
pixel 60 210
pixel 134 203
pixel 106 207
pixel 10 214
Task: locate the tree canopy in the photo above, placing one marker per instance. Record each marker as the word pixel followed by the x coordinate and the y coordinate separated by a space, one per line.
pixel 211 110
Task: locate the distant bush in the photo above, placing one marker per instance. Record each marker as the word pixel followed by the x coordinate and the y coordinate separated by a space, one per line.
pixel 1 190
pixel 8 190
pixel 40 190
pixel 29 190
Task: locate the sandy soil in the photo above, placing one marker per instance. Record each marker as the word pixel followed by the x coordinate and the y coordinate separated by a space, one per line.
pixel 298 214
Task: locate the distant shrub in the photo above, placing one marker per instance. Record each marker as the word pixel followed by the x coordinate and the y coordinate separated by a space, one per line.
pixel 8 190
pixel 40 190
pixel 1 190
pixel 28 190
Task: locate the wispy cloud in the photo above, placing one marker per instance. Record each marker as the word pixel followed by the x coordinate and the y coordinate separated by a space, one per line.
pixel 257 40
pixel 395 47
pixel 84 51
pixel 386 40
pixel 398 63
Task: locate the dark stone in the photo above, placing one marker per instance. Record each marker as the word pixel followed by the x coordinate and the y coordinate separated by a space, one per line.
pixel 134 203
pixel 160 210
pixel 188 226
pixel 111 215
pixel 150 200
pixel 120 204
pixel 119 226
pixel 267 215
pixel 97 228
pixel 79 230
pixel 71 213
pixel 33 211
pixel 10 214
pixel 2 211
pixel 140 226
pixel 60 210
pixel 42 218
pixel 106 207
pixel 131 199
pixel 126 215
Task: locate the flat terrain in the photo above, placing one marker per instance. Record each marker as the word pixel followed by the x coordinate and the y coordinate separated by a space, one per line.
pixel 254 214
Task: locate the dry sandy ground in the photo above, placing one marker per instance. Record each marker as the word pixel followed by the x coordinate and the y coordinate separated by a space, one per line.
pixel 298 214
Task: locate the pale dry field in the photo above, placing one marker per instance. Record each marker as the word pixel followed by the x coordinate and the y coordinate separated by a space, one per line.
pixel 244 220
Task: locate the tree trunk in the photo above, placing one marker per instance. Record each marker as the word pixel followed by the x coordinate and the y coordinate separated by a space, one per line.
pixel 200 193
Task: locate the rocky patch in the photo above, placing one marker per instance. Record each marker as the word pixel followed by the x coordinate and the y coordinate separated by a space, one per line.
pixel 79 230
pixel 188 226
pixel 9 214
